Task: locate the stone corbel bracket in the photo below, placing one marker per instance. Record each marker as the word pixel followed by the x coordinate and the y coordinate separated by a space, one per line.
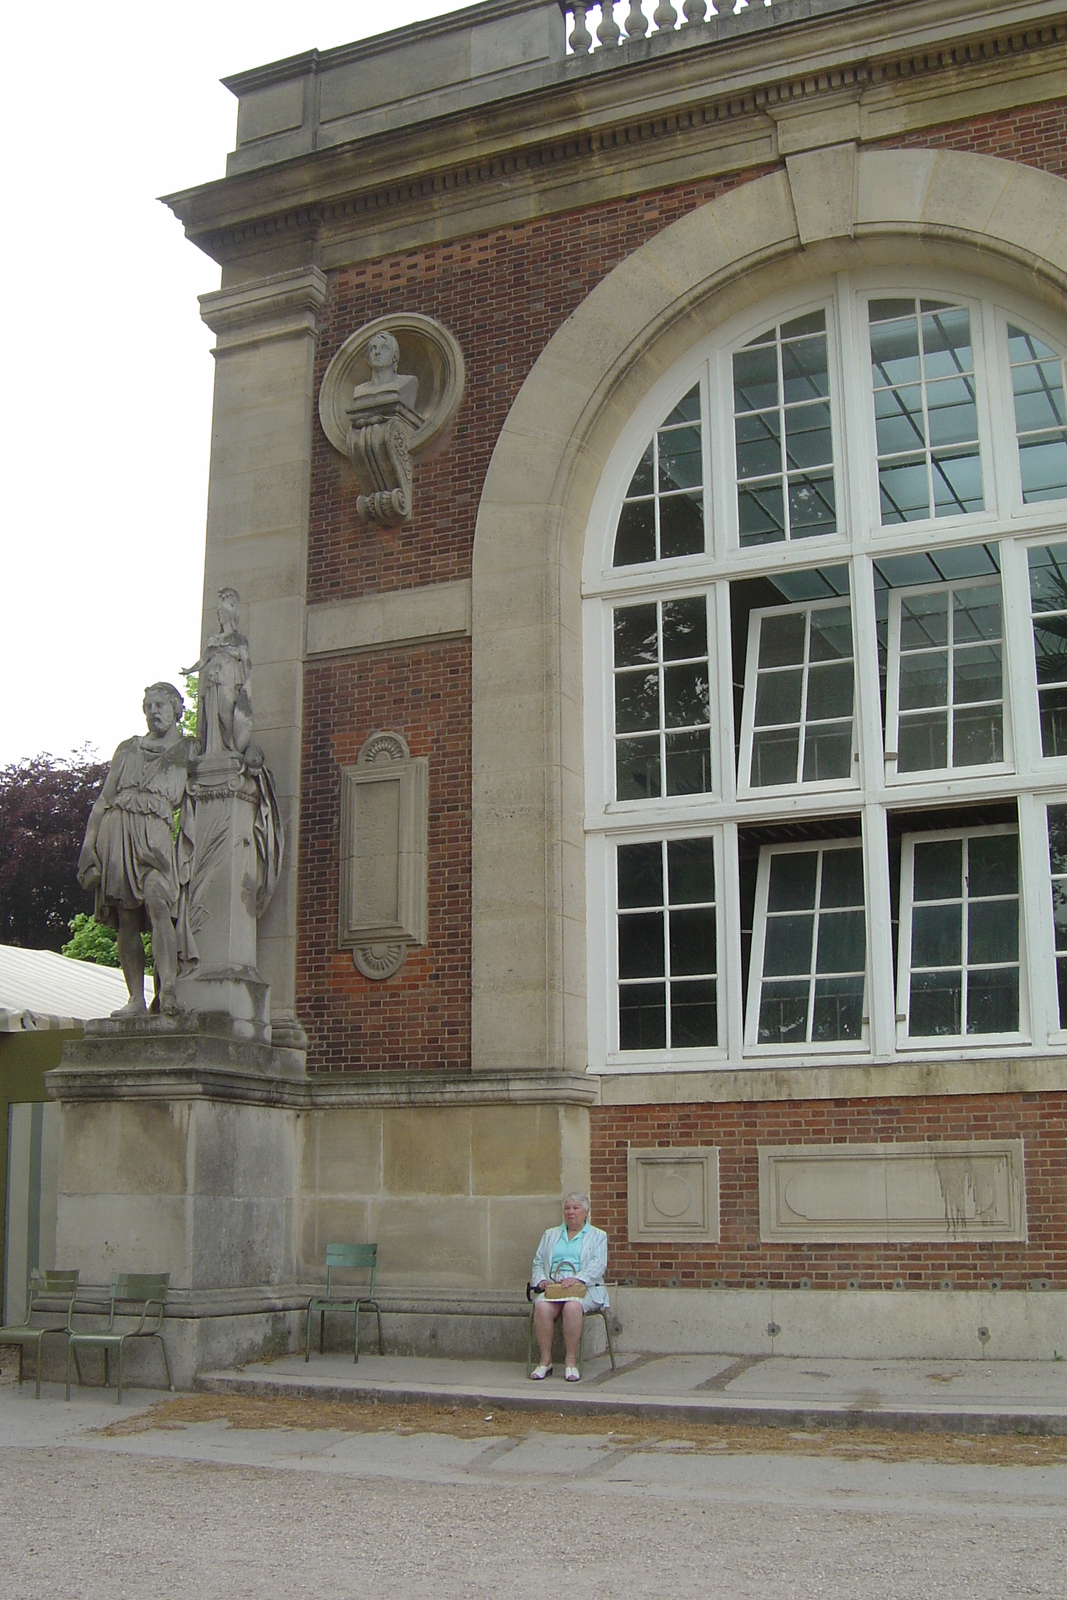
pixel 383 894
pixel 382 433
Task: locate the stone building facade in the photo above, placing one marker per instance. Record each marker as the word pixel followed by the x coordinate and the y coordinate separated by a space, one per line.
pixel 722 622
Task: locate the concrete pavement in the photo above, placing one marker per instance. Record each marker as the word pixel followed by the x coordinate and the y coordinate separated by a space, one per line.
pixel 952 1396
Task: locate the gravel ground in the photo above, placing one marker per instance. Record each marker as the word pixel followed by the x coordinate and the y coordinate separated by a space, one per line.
pixel 208 1503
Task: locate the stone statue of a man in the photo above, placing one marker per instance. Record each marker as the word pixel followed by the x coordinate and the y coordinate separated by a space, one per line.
pixel 129 856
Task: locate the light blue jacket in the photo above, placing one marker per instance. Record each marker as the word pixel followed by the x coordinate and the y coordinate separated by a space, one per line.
pixel 591 1267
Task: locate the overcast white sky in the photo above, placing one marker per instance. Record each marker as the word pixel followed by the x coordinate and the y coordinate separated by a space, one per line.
pixel 107 383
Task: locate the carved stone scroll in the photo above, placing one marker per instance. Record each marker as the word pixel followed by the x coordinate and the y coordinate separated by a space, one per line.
pixel 383 897
pixel 388 393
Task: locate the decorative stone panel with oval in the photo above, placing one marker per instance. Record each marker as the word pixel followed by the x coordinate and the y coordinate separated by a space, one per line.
pixel 673 1196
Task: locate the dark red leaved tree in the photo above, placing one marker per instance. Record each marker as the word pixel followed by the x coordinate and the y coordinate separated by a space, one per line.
pixel 44 806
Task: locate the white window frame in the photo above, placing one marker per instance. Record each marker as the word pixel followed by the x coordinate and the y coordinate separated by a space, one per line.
pixel 759 936
pixel 921 775
pixel 660 667
pixel 954 1041
pixel 745 787
pixel 641 1060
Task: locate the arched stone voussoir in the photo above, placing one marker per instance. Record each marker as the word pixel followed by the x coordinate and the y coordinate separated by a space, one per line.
pixel 827 210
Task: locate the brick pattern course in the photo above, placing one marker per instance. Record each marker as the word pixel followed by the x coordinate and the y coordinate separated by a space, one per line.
pixel 740 1259
pixel 421 1017
pixel 1036 136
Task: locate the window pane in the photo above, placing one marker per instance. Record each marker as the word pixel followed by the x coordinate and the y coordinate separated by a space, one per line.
pixel 924 620
pixel 778 697
pixel 685 628
pixel 685 695
pixel 922 742
pixel 787 947
pixel 635 635
pixel 640 875
pixel 637 769
pixel 924 680
pixel 672 462
pixel 681 526
pixel 760 514
pixel 641 945
pixel 636 701
pixel 642 1016
pixel 977 736
pixel 842 878
pixel 976 674
pixel 1054 722
pixel 694 1015
pixel 774 757
pixel 635 538
pixel 993 865
pixel 939 870
pixel 692 939
pixel 842 941
pixel 783 1012
pixel 688 762
pixel 1057 849
pixel 1048 577
pixel 925 412
pixel 838 1010
pixel 936 936
pixel 936 1004
pixel 792 881
pixel 993 1001
pixel 781 640
pixel 690 870
pixel 680 459
pixel 992 931
pixel 831 635
pixel 784 494
pixel 1040 416
pixel 828 752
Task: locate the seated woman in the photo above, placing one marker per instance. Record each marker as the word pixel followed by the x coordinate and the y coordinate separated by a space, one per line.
pixel 575 1257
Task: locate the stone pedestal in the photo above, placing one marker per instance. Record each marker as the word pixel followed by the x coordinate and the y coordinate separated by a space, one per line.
pixel 224 982
pixel 178 1152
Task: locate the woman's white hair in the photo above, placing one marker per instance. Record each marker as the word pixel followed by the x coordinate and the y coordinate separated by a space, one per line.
pixel 582 1199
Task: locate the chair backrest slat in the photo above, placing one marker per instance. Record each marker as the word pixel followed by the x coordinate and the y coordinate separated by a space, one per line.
pixel 348 1257
pixel 140 1286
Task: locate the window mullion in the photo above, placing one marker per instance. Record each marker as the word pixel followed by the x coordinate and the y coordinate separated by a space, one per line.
pixel 965 943
pixel 1021 715
pixel 730 947
pixel 867 705
pixel 1037 941
pixel 813 954
pixel 880 1006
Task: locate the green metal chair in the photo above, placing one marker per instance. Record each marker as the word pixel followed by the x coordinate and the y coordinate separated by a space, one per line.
pixel 345 1257
pixel 46 1286
pixel 134 1295
pixel 597 1311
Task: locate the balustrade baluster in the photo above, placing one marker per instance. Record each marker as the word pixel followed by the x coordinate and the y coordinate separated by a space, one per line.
pixel 581 40
pixel 694 10
pixel 608 30
pixel 636 21
pixel 665 16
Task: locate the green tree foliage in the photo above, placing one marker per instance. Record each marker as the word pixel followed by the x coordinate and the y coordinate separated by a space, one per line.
pixel 192 680
pixel 96 942
pixel 44 807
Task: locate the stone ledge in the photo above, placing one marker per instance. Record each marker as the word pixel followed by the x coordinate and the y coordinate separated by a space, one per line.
pixel 877 1081
pixel 408 616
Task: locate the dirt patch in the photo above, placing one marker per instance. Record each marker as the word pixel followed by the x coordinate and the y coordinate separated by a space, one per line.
pixel 464 1422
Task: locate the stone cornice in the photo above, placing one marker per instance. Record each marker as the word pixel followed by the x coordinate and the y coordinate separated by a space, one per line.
pixel 233 1082
pixel 637 120
pixel 279 306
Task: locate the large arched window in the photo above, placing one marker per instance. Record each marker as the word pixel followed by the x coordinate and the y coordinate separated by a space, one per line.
pixel 826 689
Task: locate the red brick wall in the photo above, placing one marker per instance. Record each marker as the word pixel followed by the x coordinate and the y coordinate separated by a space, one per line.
pixel 1033 135
pixel 740 1258
pixel 503 294
pixel 421 1017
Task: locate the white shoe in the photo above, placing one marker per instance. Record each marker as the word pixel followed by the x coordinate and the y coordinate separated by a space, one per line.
pixel 541 1372
pixel 572 1374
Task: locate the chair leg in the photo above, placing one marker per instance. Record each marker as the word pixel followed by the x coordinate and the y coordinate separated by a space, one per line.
pixel 166 1362
pixel 355 1339
pixel 71 1352
pixel 529 1340
pixel 381 1341
pixel 107 1369
pixel 78 1368
pixel 607 1329
pixel 118 1395
pixel 322 1333
pixel 307 1337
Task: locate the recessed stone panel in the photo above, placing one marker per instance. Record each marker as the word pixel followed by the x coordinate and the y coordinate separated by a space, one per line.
pixel 673 1196
pixel 892 1193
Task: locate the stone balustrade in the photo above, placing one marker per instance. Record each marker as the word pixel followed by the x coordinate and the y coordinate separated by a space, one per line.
pixel 665 18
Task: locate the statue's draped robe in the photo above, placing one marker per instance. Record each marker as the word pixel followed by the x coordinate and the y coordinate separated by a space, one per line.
pixel 136 834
